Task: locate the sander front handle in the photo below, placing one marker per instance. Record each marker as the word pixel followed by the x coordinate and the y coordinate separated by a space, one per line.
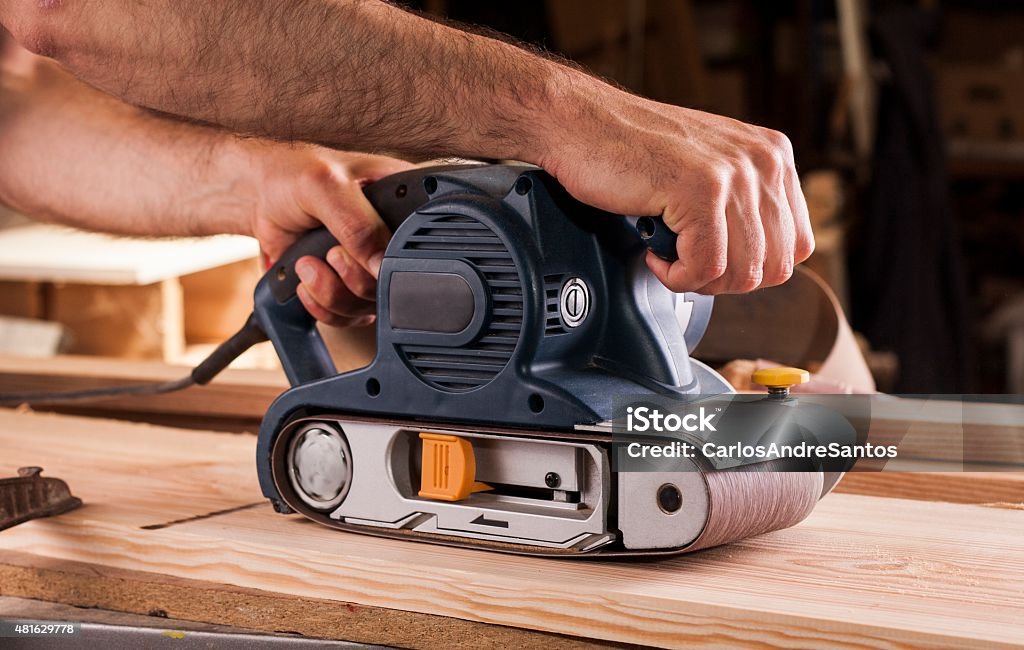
pixel 278 310
pixel 394 198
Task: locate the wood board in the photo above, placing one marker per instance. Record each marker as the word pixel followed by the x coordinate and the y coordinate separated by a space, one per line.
pixel 952 485
pixel 930 429
pixel 127 297
pixel 132 322
pixel 175 603
pixel 860 572
pixel 48 253
pixel 237 399
pixel 945 420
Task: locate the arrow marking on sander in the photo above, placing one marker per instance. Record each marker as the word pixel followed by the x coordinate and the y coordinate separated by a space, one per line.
pixel 484 521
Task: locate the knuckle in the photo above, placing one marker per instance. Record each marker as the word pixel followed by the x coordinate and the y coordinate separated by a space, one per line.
pixel 321 290
pixel 363 287
pixel 778 276
pixel 717 178
pixel 804 248
pixel 357 234
pixel 767 154
pixel 714 199
pixel 746 280
pixel 770 150
pixel 321 173
pixel 323 279
pixel 780 141
pixel 711 270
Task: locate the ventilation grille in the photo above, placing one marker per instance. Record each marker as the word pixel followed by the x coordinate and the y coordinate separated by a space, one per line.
pixel 461 369
pixel 553 325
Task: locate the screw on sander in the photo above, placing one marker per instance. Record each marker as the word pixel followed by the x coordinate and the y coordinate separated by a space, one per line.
pixel 31 496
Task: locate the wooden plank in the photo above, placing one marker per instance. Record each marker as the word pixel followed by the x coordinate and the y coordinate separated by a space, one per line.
pixel 30 337
pixel 12 607
pixel 236 395
pixel 930 429
pixel 947 430
pixel 131 322
pixel 241 395
pixel 953 486
pixel 860 572
pixel 21 299
pixel 173 602
pixel 238 398
pixel 57 254
pixel 122 296
pixel 219 300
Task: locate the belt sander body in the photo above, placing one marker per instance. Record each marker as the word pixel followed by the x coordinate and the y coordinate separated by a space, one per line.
pixel 508 317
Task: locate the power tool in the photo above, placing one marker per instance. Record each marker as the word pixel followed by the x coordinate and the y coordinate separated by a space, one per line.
pixel 509 315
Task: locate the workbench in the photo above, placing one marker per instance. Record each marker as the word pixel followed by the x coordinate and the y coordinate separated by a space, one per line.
pixel 174 526
pixel 128 297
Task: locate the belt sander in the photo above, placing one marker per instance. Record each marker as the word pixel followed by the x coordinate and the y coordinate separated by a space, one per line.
pixel 508 316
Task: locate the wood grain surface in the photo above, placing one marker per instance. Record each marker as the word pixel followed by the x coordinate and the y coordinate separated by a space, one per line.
pixel 942 481
pixel 860 572
pixel 928 429
pixel 167 601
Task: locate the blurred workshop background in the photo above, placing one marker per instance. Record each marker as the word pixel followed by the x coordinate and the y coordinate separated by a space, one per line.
pixel 907 119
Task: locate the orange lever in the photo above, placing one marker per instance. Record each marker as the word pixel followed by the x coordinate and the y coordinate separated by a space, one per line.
pixel 449 468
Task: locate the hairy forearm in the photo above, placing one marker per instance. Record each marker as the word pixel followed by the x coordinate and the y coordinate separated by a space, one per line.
pixel 74 155
pixel 359 74
pixel 364 75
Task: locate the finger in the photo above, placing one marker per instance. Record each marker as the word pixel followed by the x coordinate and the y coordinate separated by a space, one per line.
pixel 779 233
pixel 342 207
pixel 702 245
pixel 356 278
pixel 323 286
pixel 746 248
pixel 317 311
pixel 324 315
pixel 803 238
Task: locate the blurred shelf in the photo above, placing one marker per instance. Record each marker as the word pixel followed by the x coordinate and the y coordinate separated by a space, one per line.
pixel 47 253
pixel 981 159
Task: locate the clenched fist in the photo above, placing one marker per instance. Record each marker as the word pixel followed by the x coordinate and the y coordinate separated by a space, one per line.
pixel 728 189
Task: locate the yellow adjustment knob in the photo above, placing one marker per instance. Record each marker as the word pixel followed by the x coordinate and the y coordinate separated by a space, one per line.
pixel 781 377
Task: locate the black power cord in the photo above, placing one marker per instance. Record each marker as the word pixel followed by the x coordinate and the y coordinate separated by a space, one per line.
pixel 250 334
